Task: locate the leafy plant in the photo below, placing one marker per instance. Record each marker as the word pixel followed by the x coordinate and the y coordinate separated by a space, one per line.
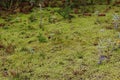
pixel 65 12
pixel 41 38
pixel 6 27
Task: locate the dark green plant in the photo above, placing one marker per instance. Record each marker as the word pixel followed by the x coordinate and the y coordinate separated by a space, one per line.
pixel 11 4
pixel 65 12
pixel 41 38
pixel 8 4
pixel 32 18
pixel 6 27
pixel 80 55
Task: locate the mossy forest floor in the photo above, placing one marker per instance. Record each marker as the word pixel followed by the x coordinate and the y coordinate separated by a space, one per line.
pixel 58 51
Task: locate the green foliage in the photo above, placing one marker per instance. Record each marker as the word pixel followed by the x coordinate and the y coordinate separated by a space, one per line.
pixel 6 27
pixel 65 12
pixel 41 38
pixel 32 18
pixel 7 3
pixel 12 4
pixel 70 52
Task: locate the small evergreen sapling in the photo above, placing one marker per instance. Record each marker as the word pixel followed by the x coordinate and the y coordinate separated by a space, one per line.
pixel 65 12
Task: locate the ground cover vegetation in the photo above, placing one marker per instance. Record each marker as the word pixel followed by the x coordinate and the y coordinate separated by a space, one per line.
pixel 59 40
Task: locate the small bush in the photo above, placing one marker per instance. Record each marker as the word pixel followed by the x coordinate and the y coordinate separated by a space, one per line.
pixel 65 12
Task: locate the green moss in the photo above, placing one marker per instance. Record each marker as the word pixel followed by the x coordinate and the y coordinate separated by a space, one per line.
pixel 62 51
